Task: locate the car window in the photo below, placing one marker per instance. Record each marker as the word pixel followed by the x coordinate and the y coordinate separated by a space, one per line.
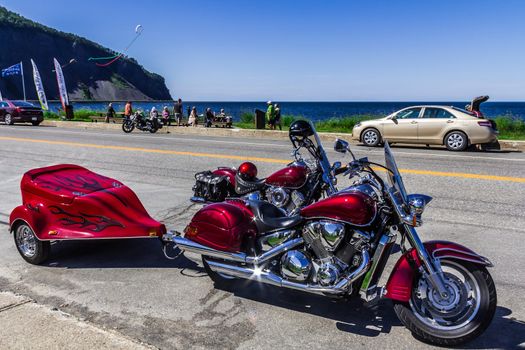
pixel 437 113
pixel 410 113
pixel 22 104
pixel 3 105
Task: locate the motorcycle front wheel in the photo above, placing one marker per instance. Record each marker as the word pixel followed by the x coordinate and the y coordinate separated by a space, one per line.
pixel 462 316
pixel 128 127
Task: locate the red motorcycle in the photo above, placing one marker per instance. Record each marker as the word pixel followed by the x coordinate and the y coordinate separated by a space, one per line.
pixel 339 247
pixel 300 183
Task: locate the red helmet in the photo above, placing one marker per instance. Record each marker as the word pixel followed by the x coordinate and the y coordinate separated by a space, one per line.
pixel 248 171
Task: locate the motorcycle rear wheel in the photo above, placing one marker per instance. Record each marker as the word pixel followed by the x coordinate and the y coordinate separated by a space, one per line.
pixel 128 127
pixel 458 320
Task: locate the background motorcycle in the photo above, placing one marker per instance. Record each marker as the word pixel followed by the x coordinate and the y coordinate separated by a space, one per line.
pixel 137 120
pixel 339 246
pixel 300 183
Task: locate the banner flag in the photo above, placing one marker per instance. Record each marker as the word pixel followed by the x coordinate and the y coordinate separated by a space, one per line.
pixel 61 84
pixel 39 87
pixel 15 69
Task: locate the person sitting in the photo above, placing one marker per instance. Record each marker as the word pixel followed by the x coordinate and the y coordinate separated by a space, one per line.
pixel 166 116
pixel 209 117
pixel 153 116
pixel 193 120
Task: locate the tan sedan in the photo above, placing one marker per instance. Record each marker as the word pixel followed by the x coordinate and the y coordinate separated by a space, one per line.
pixel 431 125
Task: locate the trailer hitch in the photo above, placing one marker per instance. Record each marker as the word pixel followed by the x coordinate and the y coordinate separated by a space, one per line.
pixel 167 241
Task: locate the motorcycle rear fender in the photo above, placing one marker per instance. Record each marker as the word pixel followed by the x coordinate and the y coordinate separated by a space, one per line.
pixel 400 283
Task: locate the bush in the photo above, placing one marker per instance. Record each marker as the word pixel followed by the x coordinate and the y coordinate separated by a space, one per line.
pixel 510 127
pixel 247 118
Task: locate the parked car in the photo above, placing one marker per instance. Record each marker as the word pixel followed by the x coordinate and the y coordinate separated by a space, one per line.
pixel 20 112
pixel 453 127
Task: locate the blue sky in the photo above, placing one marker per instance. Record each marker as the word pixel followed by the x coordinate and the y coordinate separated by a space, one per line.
pixel 432 50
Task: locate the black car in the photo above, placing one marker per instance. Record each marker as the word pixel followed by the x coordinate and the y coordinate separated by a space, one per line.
pixel 20 112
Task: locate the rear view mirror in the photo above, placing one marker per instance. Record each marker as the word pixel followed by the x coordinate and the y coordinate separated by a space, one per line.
pixel 341 146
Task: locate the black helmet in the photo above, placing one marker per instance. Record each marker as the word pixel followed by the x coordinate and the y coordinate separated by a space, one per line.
pixel 300 129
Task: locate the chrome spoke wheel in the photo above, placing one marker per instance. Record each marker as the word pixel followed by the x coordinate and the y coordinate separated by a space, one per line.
pixel 455 311
pixel 26 241
pixel 7 119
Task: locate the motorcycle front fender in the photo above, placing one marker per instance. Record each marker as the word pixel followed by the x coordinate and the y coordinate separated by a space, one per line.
pixel 400 283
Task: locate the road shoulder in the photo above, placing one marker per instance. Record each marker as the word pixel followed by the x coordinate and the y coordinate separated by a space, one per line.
pixel 25 324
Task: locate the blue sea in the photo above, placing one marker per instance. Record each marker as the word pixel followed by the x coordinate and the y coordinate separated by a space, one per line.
pixel 310 110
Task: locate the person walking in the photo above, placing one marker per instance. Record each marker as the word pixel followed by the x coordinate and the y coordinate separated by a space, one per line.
pixel 277 118
pixel 270 115
pixel 193 120
pixel 128 110
pixel 177 112
pixel 110 113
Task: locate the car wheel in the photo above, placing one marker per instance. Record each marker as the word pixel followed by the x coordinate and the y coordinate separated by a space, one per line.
pixel 371 137
pixel 8 119
pixel 456 141
pixel 33 250
pixel 35 123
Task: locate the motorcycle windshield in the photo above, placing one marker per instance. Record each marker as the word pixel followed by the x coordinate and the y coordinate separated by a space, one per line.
pixel 394 177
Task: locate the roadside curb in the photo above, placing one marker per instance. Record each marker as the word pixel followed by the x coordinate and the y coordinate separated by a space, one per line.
pixel 24 321
pixel 508 145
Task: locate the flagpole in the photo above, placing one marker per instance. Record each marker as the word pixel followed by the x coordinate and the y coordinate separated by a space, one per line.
pixel 23 82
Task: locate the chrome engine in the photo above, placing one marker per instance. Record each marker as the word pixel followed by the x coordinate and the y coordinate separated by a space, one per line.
pixel 285 199
pixel 331 250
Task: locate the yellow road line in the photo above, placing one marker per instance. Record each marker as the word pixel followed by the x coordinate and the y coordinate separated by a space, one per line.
pixel 255 159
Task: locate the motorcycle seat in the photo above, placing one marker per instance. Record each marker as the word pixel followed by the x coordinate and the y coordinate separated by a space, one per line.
pixel 268 217
pixel 243 186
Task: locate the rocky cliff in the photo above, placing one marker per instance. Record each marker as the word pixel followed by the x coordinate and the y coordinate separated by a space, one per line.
pixel 22 39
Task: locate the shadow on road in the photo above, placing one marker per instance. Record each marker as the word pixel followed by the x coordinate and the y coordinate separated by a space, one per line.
pixel 119 253
pixel 350 315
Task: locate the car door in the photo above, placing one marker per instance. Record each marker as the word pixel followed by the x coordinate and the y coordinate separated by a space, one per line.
pixel 432 125
pixel 403 126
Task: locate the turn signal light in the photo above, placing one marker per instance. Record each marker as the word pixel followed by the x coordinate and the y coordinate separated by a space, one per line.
pixel 53 233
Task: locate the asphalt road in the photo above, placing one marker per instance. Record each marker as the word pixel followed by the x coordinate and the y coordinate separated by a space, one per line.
pixel 127 285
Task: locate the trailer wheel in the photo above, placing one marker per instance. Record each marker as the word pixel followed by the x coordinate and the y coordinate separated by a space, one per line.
pixel 32 250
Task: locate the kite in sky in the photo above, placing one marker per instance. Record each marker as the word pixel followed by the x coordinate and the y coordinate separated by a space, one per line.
pixel 111 59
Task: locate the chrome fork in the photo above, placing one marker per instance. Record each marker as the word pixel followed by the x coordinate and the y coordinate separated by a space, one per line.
pixel 432 267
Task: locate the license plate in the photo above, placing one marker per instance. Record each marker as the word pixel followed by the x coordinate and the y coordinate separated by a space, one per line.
pixel 34 119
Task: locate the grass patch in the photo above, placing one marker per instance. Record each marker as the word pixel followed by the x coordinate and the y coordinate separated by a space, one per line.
pixel 81 115
pixel 510 128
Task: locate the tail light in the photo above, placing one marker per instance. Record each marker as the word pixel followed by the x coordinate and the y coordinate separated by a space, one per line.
pixel 18 109
pixel 486 123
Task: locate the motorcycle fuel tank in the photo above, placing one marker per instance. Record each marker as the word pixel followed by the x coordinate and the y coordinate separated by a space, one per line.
pixel 293 176
pixel 355 208
pixel 222 226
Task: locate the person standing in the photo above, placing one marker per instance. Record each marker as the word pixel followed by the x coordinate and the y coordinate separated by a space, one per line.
pixel 209 117
pixel 270 115
pixel 128 110
pixel 177 111
pixel 153 116
pixel 110 113
pixel 193 120
pixel 277 118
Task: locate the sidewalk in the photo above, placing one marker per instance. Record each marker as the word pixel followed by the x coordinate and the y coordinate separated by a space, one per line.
pixel 234 132
pixel 27 325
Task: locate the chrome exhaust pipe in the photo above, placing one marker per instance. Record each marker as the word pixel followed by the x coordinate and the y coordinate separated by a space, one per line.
pixel 194 247
pixel 268 277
